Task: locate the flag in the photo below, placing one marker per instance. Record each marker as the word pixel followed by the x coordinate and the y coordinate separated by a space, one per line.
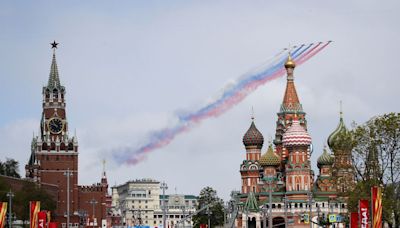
pixel 376 207
pixel 42 219
pixel 363 213
pixel 34 210
pixel 3 212
pixel 354 220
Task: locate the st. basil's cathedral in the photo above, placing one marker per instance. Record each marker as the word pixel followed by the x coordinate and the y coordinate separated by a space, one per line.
pixel 282 178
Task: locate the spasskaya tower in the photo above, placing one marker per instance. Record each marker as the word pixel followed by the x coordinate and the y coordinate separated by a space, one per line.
pixel 54 153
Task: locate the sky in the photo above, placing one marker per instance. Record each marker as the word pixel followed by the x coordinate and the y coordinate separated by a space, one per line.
pixel 130 66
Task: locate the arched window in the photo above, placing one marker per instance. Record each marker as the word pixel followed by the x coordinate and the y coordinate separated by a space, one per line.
pixel 298 183
pixel 55 94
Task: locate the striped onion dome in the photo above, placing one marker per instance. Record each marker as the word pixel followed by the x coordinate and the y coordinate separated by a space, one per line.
pixel 296 135
pixel 253 137
pixel 269 158
pixel 325 158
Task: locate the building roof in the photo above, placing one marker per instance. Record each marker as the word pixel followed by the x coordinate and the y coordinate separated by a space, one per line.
pixel 325 158
pixel 270 158
pixel 54 78
pixel 340 129
pixel 291 102
pixel 253 137
pixel 296 135
pixel 251 203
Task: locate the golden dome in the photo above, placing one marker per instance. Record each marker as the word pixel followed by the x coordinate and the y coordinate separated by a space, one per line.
pixel 289 62
pixel 270 158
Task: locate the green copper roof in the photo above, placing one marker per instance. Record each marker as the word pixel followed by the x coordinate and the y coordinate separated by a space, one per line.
pixel 270 158
pixel 251 203
pixel 341 129
pixel 325 158
pixel 54 79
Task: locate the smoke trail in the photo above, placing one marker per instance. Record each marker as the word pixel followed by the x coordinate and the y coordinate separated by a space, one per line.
pixel 231 96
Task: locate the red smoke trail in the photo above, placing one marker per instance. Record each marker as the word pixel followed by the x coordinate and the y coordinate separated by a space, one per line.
pixel 165 136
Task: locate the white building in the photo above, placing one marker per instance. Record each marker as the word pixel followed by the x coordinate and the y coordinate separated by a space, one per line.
pixel 140 202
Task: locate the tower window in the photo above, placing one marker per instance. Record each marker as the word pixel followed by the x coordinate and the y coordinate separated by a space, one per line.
pixel 55 94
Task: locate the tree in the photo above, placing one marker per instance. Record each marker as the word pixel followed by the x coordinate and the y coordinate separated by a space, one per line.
pixel 376 159
pixel 10 168
pixel 208 197
pixel 31 192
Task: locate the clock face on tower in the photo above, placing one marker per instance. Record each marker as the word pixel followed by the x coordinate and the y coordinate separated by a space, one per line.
pixel 55 125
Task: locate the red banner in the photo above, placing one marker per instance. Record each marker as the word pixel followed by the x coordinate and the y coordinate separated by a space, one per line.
pixel 34 211
pixel 42 219
pixel 53 225
pixel 363 213
pixel 3 212
pixel 354 220
pixel 376 207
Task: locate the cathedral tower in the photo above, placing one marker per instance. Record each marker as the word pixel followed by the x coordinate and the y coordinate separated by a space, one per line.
pixel 253 141
pixel 290 107
pixel 297 141
pixel 339 141
pixel 325 181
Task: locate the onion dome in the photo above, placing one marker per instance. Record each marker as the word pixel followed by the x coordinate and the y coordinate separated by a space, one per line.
pixel 253 137
pixel 325 158
pixel 289 62
pixel 269 158
pixel 296 135
pixel 340 130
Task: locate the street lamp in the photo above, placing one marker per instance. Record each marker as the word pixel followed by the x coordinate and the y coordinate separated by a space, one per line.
pixel 93 202
pixel 164 187
pixel 265 213
pixel 68 173
pixel 209 213
pixel 269 180
pixel 310 207
pixel 285 205
pixel 10 195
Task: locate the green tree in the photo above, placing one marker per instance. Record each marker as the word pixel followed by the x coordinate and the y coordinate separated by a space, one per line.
pixel 376 159
pixel 9 168
pixel 4 188
pixel 32 192
pixel 208 197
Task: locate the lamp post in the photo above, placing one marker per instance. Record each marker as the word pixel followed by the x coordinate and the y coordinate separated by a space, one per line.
pixel 265 213
pixel 68 174
pixel 285 205
pixel 10 195
pixel 209 213
pixel 164 187
pixel 310 207
pixel 93 202
pixel 269 180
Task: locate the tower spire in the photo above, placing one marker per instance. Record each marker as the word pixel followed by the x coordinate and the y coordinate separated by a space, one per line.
pixel 54 79
pixel 291 101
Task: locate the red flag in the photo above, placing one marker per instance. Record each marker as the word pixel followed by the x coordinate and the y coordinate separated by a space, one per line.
pixel 52 225
pixel 3 212
pixel 376 207
pixel 363 213
pixel 34 210
pixel 354 220
pixel 42 219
